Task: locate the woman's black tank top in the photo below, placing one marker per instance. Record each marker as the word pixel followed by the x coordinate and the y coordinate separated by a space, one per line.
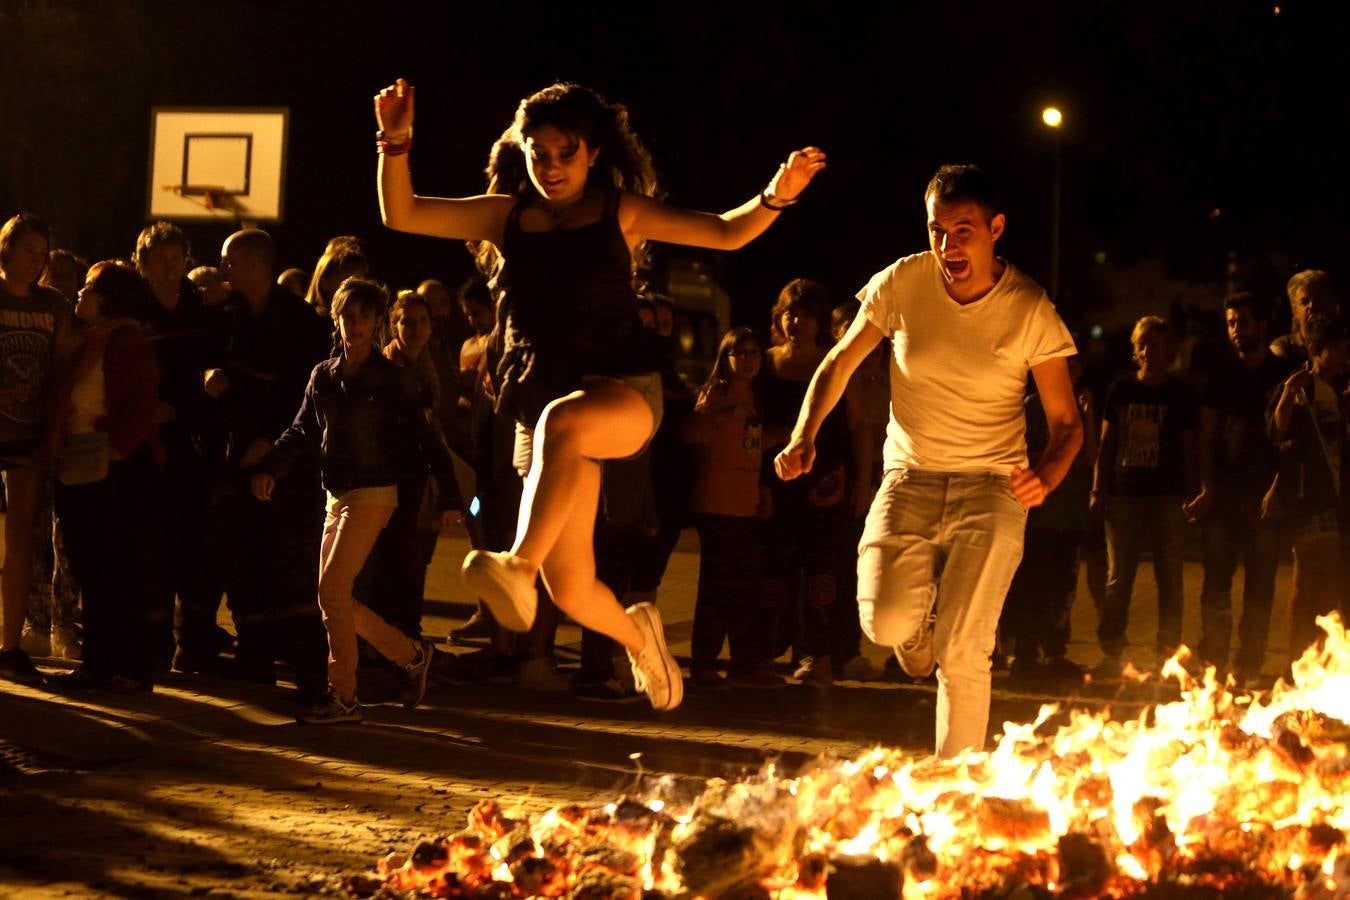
pixel 566 308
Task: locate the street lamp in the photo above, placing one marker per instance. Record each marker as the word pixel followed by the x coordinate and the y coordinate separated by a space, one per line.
pixel 1054 119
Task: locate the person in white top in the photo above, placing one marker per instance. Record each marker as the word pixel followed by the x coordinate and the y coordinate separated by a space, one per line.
pixel 944 534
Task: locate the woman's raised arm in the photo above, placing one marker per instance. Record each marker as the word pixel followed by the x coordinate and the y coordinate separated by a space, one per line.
pixel 643 218
pixel 481 218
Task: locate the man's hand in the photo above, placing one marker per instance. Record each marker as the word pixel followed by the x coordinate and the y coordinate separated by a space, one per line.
pixel 262 485
pixel 1298 382
pixel 1027 487
pixel 255 452
pixel 1198 506
pixel 796 458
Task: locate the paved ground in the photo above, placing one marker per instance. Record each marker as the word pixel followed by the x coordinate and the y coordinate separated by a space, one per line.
pixel 209 787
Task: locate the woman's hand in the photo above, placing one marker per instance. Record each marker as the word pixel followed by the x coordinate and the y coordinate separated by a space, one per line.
pixel 794 175
pixel 394 110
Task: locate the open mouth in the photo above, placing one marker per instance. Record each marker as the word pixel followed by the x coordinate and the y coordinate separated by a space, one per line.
pixel 956 267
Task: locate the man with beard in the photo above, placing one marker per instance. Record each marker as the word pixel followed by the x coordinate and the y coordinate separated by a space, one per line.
pixel 1237 463
pixel 1310 294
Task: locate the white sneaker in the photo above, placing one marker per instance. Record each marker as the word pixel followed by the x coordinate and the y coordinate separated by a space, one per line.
pixel 655 671
pixel 505 585
pixel 916 655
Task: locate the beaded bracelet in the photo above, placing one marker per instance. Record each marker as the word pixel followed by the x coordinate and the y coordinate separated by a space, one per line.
pixel 392 148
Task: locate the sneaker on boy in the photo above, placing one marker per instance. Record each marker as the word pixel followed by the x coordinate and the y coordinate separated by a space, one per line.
pixel 415 688
pixel 332 711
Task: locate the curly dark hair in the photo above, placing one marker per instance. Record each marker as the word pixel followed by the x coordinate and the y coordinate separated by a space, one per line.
pixel 623 163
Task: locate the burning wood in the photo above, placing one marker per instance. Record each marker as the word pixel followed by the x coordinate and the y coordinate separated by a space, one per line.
pixel 1216 793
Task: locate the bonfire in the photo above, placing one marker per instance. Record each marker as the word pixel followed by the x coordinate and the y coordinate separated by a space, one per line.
pixel 1221 793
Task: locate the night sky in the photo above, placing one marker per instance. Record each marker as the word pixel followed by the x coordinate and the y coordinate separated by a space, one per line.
pixel 1192 129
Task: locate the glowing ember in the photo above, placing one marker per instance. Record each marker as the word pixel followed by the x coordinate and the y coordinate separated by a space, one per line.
pixel 1224 791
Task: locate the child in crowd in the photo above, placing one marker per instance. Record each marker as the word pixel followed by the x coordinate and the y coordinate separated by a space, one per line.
pixel 809 557
pixel 1148 459
pixel 405 547
pixel 727 502
pixel 363 416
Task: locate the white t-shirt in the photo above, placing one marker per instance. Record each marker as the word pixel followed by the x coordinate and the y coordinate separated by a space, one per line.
pixel 959 372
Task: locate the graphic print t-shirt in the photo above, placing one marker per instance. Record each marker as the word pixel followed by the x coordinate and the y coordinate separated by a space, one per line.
pixel 1150 425
pixel 28 328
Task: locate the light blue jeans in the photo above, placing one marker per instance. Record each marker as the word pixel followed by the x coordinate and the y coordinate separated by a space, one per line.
pixel 950 543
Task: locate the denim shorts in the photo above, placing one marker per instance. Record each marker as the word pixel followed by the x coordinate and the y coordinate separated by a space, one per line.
pixel 385 495
pixel 647 384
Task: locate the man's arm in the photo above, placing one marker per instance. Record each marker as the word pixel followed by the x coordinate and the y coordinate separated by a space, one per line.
pixel 1203 456
pixel 827 386
pixel 1065 424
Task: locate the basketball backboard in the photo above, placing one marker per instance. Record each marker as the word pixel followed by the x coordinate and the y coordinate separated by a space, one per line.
pixel 226 163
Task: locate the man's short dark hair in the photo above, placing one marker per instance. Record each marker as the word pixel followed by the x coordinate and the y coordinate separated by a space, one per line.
pixel 158 235
pixel 1248 301
pixel 954 184
pixel 474 290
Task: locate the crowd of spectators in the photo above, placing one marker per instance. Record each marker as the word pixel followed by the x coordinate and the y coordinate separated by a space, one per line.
pixel 169 437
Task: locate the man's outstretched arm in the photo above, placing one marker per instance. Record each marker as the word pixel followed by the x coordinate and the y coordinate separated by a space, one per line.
pixel 827 386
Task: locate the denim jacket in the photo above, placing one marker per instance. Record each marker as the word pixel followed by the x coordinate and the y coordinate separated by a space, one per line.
pixel 368 431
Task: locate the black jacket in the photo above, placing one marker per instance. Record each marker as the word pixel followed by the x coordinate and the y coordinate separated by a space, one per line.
pixel 370 431
pixel 268 361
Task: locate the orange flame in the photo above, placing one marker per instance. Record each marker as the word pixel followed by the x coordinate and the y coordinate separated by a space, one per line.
pixel 1219 787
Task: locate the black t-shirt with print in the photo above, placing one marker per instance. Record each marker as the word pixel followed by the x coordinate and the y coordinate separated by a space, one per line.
pixel 1150 425
pixel 28 329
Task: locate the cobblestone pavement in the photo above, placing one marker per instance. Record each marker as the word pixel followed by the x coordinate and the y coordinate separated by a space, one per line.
pixel 210 787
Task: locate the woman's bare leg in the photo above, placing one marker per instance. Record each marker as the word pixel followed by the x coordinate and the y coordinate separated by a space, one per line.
pixel 569 570
pixel 607 420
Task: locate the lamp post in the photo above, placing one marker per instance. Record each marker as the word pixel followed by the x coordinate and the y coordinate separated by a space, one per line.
pixel 1054 120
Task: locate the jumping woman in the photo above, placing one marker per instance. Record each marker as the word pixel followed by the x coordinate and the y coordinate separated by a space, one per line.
pixel 569 202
